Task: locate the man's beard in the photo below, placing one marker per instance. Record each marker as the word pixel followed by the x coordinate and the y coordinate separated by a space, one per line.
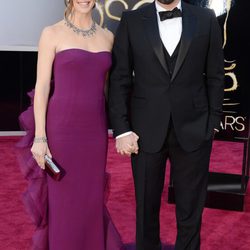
pixel 166 1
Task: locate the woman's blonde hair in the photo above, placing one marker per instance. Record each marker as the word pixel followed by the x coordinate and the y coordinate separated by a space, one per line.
pixel 69 7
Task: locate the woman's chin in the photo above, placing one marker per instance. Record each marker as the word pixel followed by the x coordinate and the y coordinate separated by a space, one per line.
pixel 84 6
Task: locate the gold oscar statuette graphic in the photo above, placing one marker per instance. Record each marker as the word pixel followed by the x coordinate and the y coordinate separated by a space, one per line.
pixel 220 7
pixel 232 120
pixel 104 7
pixel 108 3
pixel 230 74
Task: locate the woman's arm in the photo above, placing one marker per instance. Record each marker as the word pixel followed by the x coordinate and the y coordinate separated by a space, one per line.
pixel 46 54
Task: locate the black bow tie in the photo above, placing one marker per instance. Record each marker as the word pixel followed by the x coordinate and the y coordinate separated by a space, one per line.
pixel 170 14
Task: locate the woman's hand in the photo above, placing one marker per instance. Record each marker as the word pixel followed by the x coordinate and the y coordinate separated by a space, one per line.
pixel 39 150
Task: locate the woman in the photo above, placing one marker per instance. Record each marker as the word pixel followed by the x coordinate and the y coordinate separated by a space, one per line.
pixel 70 125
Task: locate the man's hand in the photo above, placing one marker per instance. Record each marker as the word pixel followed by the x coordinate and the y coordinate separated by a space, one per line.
pixel 127 144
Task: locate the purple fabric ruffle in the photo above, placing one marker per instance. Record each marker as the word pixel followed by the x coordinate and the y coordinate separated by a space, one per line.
pixel 35 198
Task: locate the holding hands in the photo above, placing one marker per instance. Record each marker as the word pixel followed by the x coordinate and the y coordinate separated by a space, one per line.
pixel 127 144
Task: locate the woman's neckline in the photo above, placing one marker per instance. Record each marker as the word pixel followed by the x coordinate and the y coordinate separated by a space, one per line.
pixel 84 50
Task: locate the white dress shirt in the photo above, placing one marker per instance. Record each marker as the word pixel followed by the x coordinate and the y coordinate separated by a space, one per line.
pixel 170 30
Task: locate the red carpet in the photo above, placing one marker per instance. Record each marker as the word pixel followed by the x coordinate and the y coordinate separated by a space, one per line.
pixel 221 230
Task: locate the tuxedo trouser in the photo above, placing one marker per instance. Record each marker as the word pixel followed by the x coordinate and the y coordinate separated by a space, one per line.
pixel 189 171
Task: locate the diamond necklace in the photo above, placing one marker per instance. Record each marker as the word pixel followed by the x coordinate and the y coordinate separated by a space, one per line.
pixel 85 33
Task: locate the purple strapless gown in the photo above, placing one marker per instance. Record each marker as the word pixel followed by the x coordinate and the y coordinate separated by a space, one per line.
pixel 70 214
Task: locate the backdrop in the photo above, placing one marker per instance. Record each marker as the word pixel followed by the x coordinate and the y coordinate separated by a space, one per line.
pixel 21 21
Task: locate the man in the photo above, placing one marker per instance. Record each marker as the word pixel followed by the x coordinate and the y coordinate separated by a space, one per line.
pixel 166 94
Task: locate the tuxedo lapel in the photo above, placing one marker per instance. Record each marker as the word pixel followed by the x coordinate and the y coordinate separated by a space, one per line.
pixel 188 31
pixel 151 26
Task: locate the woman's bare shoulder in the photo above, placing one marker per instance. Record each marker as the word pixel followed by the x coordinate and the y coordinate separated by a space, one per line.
pixel 107 35
pixel 51 34
pixel 54 29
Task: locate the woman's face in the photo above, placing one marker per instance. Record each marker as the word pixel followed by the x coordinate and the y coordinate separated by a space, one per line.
pixel 83 6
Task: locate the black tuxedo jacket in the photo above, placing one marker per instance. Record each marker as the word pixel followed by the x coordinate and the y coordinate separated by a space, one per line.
pixel 143 96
